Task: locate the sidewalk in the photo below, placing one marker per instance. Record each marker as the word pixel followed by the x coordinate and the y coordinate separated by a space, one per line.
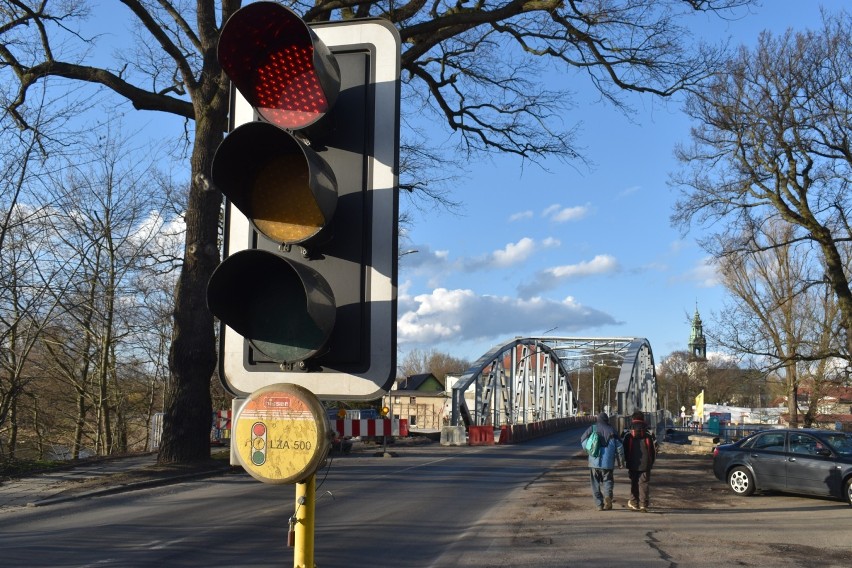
pixel 98 477
pixel 694 521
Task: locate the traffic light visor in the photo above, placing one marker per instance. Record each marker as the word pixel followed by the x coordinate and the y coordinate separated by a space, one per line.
pixel 287 192
pixel 286 310
pixel 279 64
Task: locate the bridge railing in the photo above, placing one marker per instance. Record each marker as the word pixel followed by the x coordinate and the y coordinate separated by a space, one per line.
pixel 509 433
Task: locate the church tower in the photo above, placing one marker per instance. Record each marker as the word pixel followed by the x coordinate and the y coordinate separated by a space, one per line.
pixel 697 342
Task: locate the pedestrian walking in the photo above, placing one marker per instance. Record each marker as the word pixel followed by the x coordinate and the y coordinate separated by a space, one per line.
pixel 602 460
pixel 641 452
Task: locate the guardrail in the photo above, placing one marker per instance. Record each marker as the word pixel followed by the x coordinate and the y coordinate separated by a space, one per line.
pixel 725 433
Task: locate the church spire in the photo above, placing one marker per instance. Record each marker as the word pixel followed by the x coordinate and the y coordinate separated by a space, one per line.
pixel 697 342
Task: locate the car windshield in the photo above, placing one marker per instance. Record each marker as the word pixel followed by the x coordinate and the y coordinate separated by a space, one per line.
pixel 842 443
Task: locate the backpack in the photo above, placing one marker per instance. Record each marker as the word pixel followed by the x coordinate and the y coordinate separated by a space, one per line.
pixel 639 433
pixel 592 445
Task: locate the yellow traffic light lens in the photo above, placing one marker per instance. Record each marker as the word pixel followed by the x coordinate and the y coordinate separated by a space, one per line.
pixel 283 187
pixel 282 205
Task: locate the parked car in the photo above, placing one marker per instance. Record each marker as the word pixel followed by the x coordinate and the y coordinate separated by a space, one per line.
pixel 815 462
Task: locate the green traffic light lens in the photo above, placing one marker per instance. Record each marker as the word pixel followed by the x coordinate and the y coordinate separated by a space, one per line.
pixel 280 326
pixel 286 310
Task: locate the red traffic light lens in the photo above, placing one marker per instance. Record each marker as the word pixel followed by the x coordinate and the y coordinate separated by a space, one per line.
pixel 279 65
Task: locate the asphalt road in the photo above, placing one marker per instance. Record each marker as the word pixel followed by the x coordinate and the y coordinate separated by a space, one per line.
pixel 505 506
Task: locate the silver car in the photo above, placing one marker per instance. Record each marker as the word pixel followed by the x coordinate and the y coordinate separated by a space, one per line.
pixel 815 462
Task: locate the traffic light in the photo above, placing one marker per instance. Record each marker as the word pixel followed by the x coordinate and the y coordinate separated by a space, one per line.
pixel 258 443
pixel 306 292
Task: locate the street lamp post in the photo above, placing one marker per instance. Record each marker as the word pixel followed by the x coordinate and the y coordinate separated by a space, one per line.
pixel 578 390
pixel 608 397
pixel 593 388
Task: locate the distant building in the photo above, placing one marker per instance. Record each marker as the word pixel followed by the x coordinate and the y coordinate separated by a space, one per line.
pixel 696 367
pixel 697 341
pixel 834 407
pixel 420 399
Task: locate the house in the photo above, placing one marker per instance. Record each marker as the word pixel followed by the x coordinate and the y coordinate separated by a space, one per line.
pixel 420 399
pixel 833 409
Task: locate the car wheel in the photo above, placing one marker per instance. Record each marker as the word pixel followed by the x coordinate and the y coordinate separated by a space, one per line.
pixel 741 481
pixel 847 490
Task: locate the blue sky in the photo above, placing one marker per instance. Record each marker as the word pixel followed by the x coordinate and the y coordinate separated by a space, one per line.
pixel 580 250
pixel 588 251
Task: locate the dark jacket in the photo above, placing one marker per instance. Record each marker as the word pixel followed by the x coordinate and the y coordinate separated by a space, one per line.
pixel 639 447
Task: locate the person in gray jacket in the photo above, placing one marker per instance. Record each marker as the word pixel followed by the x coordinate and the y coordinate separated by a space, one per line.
pixel 601 466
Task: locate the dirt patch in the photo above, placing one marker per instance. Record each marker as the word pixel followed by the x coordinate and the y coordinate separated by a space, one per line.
pixel 683 476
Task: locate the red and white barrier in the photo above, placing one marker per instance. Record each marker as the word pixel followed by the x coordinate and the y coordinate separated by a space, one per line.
pixel 221 426
pixel 222 419
pixel 370 427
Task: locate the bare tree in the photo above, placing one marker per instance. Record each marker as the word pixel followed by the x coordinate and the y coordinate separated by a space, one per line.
pixel 674 381
pixel 153 332
pixel 26 304
pixel 777 316
pixel 108 222
pixel 481 67
pixel 439 364
pixel 103 224
pixel 771 143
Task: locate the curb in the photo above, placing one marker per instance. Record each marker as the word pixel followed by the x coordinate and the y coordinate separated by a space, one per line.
pixel 146 484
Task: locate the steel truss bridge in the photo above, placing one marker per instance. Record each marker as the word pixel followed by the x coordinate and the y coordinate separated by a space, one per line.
pixel 527 380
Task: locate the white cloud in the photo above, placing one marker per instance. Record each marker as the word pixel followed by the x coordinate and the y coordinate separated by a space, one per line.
pixel 461 315
pixel 629 191
pixel 676 247
pixel 602 263
pixel 550 278
pixel 514 253
pixel 430 264
pixel 705 274
pixel 437 264
pixel 424 259
pixel 163 238
pixel 560 214
pixel 520 215
pixel 720 359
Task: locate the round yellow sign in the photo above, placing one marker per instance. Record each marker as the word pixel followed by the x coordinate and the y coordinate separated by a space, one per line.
pixel 281 434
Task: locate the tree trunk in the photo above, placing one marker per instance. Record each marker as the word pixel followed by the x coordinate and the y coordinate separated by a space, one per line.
pixel 13 429
pixel 793 395
pixel 81 422
pixel 192 356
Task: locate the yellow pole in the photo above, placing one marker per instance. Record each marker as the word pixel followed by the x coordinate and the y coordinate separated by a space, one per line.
pixel 303 552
